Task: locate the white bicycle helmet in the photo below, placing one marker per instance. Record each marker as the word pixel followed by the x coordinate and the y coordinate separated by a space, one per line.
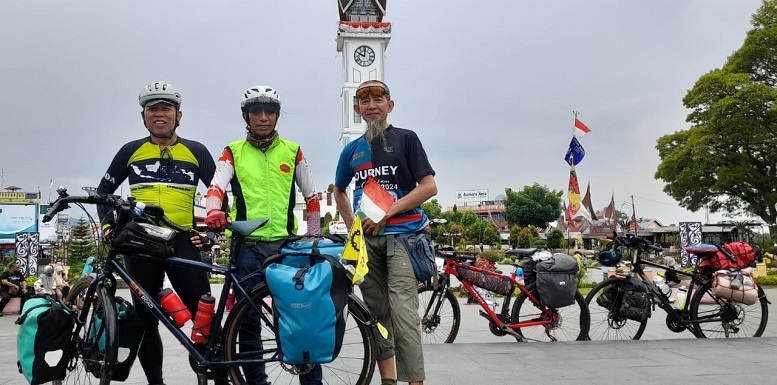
pixel 158 92
pixel 260 94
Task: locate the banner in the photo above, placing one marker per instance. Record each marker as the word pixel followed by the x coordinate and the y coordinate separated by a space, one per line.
pixel 690 235
pixel 356 250
pixel 27 249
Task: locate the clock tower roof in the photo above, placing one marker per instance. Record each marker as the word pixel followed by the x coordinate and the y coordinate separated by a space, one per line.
pixel 362 10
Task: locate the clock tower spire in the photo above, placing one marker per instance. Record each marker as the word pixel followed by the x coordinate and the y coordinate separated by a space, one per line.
pixel 362 37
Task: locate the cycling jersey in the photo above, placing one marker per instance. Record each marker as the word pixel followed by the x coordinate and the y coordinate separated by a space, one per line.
pixel 262 185
pixel 163 177
pixel 397 167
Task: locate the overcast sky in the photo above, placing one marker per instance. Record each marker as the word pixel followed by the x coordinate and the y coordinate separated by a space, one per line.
pixel 488 86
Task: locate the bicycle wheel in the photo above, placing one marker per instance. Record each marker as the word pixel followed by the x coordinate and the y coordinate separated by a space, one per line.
pixel 248 335
pixel 94 348
pixel 570 323
pixel 606 322
pixel 440 316
pixel 734 319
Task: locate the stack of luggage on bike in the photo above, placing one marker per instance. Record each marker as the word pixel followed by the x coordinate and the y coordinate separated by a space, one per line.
pixel 732 272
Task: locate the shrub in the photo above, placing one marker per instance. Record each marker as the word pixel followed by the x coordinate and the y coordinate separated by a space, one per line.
pixel 492 256
pixel 768 280
pixel 771 272
pixel 218 280
pixel 540 244
pixel 30 281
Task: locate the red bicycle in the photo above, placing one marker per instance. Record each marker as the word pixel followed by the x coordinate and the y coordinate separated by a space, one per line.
pixel 529 319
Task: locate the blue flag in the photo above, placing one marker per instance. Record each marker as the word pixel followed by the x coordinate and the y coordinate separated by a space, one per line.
pixel 576 152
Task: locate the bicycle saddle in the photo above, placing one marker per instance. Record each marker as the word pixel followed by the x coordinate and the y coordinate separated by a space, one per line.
pixel 247 227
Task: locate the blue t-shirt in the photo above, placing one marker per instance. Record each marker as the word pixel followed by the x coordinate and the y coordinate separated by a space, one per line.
pixel 397 167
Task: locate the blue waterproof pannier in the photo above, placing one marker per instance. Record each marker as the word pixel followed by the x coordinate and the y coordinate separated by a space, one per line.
pixel 310 293
pixel 130 333
pixel 43 340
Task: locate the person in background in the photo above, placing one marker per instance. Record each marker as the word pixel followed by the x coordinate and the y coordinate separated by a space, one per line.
pixel 60 279
pixel 46 284
pixel 13 285
pixel 90 268
pixel 671 276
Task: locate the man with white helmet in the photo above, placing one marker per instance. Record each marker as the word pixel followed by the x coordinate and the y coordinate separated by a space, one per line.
pixel 163 169
pixel 262 170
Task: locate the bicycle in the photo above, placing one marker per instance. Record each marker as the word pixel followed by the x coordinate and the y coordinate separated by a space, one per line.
pixel 228 348
pixel 703 314
pixel 529 320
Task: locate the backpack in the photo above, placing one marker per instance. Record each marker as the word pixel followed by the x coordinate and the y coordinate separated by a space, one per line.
pixel 556 282
pixel 636 301
pixel 130 329
pixel 310 293
pixel 43 340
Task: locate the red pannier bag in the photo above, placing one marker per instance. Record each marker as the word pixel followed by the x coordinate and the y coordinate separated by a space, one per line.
pixel 742 252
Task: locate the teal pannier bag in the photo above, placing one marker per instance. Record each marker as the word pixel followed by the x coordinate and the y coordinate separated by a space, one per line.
pixel 130 330
pixel 310 293
pixel 43 340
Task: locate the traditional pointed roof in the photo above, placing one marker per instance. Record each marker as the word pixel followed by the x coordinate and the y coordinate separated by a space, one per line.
pixel 609 211
pixel 587 202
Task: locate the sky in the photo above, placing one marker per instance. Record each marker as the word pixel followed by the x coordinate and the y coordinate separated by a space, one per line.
pixel 490 89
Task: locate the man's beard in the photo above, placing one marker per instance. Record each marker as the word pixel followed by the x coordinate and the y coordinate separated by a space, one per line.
pixel 376 133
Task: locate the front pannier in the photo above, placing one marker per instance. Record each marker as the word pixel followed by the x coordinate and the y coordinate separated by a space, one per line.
pixel 556 282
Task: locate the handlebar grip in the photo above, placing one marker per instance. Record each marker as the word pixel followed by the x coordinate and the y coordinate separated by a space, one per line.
pixel 655 248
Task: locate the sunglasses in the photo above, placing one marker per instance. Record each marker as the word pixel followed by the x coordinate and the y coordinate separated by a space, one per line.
pixel 370 90
pixel 165 164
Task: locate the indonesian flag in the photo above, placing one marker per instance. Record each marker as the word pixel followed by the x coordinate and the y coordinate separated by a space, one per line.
pixel 580 128
pixel 376 201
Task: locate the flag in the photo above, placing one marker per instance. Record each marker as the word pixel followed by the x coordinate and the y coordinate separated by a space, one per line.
pixel 568 208
pixel 575 153
pixel 376 201
pixel 573 193
pixel 356 250
pixel 580 128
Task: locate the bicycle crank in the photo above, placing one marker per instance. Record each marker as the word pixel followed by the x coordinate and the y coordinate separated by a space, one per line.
pixel 675 326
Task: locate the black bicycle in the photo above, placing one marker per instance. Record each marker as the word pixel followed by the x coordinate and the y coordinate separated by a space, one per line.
pixel 233 347
pixel 616 302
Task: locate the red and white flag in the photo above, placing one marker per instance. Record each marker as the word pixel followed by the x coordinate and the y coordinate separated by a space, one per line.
pixel 580 128
pixel 376 201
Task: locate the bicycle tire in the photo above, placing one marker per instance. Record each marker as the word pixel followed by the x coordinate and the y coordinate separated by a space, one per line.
pixel 355 363
pixel 443 325
pixel 89 363
pixel 746 320
pixel 561 329
pixel 607 324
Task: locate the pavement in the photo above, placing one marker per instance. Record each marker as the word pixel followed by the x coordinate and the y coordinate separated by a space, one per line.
pixel 478 357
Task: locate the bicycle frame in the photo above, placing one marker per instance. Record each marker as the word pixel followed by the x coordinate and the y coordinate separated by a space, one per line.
pixel 451 264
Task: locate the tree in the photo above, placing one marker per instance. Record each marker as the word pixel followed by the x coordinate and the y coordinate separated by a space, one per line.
pixel 555 239
pixel 727 160
pixel 524 238
pixel 325 226
pixel 515 230
pixel 469 218
pixel 432 208
pixel 534 205
pixel 330 188
pixel 82 243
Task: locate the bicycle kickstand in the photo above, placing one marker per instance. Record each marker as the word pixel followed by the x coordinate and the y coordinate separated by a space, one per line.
pixel 202 375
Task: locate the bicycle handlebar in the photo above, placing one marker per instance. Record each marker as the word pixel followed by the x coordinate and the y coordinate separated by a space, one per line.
pixel 634 242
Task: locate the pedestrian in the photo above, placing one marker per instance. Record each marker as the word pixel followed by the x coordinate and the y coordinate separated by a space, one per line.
pixel 46 284
pixel 13 285
pixel 396 159
pixel 164 169
pixel 262 170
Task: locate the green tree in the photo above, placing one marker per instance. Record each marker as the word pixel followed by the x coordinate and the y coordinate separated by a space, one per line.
pixel 555 239
pixel 515 230
pixel 469 218
pixel 534 205
pixel 432 208
pixel 457 233
pixel 82 242
pixel 726 160
pixel 491 235
pixel 524 238
pixel 325 226
pixel 330 188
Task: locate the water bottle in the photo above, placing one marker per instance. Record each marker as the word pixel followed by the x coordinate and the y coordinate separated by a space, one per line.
pixel 518 275
pixel 682 294
pixel 174 307
pixel 201 327
pixel 662 285
pixel 139 208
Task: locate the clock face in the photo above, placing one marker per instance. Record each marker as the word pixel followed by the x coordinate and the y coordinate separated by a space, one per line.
pixel 364 55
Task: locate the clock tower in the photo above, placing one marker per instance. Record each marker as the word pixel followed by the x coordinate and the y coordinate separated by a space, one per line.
pixel 362 37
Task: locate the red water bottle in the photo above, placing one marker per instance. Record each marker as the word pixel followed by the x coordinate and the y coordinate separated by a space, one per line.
pixel 174 307
pixel 201 327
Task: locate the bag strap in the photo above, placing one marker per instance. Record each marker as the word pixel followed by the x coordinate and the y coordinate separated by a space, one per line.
pixel 23 317
pixel 728 255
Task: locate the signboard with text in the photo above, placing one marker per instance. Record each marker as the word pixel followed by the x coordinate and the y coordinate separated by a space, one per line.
pixel 471 196
pixel 17 218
